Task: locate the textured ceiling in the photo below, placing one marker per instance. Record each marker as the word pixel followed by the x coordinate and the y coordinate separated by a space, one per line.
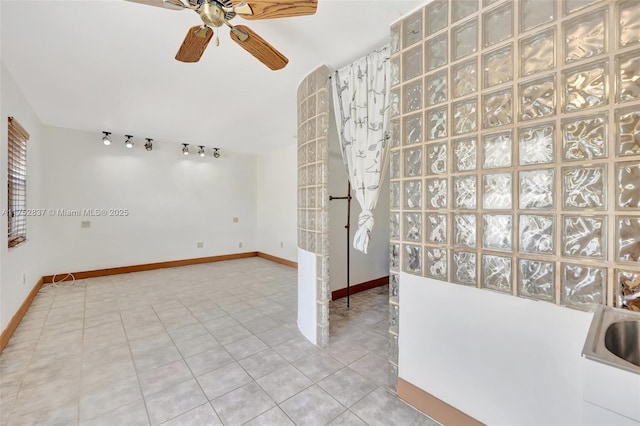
pixel 109 65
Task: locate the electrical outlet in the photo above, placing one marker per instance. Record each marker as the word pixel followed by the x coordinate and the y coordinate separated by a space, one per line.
pixel 235 220
pixel 85 224
pixel 240 245
pixel 200 244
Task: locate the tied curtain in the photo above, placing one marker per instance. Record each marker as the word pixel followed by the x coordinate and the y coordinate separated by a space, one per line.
pixel 361 104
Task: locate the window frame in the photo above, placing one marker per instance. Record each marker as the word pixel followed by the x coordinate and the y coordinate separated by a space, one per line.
pixel 17 138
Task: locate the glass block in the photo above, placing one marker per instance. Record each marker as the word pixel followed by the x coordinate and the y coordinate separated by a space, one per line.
pixel 537 98
pixel 465 116
pixel 436 193
pixel 463 267
pixel 394 166
pixel 394 43
pixel 394 256
pixel 437 16
pixel 412 226
pixel 413 129
pixel 537 53
pixel 496 273
pixel 311 242
pixel 536 279
pixel 436 52
pixel 498 110
pixel 584 236
pixel 628 132
pixel 394 225
pixel 393 348
pixel 436 158
pixel 498 66
pixel 412 260
pixel 496 150
pixel 464 192
pixel 585 138
pixel 311 198
pixel 628 239
pixel 465 78
pixel 394 133
pixel 583 287
pixel 536 144
pixel 394 71
pixel 536 234
pixel 464 155
pixel 437 123
pixel 498 24
pixel 436 228
pixel 629 23
pixel 628 77
pixel 486 3
pixel 323 100
pixel 464 230
pixel 412 29
pixel 571 6
pixel 464 39
pixel 413 162
pixel 311 152
pixel 394 102
pixel 628 185
pixel 536 12
pixel 392 377
pixel 536 189
pixel 463 8
pixel 394 287
pixel 436 263
pixel 412 97
pixel 394 318
pixel 311 176
pixel 628 290
pixel 412 194
pixel 497 192
pixel 412 63
pixel 585 36
pixel 394 195
pixel 584 187
pixel 497 232
pixel 436 88
pixel 585 87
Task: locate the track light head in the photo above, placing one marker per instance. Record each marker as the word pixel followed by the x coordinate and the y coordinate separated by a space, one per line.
pixel 185 148
pixel 201 151
pixel 106 139
pixel 149 145
pixel 216 152
pixel 128 143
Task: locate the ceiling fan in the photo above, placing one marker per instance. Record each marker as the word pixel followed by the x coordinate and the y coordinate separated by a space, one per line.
pixel 216 13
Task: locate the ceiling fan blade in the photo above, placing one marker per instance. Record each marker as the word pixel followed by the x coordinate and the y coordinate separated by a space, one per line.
pixel 165 4
pixel 258 47
pixel 268 9
pixel 194 44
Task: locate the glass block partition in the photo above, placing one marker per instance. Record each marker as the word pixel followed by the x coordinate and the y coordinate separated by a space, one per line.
pixel 515 162
pixel 313 178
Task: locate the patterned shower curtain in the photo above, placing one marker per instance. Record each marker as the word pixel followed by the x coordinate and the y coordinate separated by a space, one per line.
pixel 361 103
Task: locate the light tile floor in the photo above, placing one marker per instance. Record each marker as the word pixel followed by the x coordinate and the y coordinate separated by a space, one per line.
pixel 200 345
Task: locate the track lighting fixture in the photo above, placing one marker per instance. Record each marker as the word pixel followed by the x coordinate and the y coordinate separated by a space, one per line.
pixel 216 152
pixel 149 145
pixel 185 148
pixel 107 138
pixel 128 143
pixel 201 151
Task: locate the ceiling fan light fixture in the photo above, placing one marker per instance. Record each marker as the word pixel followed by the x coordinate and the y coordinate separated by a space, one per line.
pixel 185 149
pixel 128 143
pixel 149 145
pixel 106 139
pixel 201 151
pixel 216 152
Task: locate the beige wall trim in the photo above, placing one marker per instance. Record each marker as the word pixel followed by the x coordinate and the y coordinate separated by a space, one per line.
pixel 438 410
pixel 278 260
pixel 15 321
pixel 357 288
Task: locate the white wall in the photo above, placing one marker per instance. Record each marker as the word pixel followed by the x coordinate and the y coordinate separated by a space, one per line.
pixel 499 358
pixel 364 267
pixel 277 202
pixel 20 267
pixel 174 201
pixel 307 295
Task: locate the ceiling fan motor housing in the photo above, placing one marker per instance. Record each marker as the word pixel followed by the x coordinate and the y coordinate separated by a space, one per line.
pixel 212 14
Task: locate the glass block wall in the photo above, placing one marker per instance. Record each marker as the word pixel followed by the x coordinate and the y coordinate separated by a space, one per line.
pixel 313 178
pixel 515 159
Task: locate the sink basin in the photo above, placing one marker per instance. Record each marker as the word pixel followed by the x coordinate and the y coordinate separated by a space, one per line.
pixel 614 339
pixel 621 339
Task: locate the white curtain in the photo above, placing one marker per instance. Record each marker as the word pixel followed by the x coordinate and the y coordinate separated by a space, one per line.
pixel 361 103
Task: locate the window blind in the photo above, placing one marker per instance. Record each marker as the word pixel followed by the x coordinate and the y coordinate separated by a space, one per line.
pixel 17 183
